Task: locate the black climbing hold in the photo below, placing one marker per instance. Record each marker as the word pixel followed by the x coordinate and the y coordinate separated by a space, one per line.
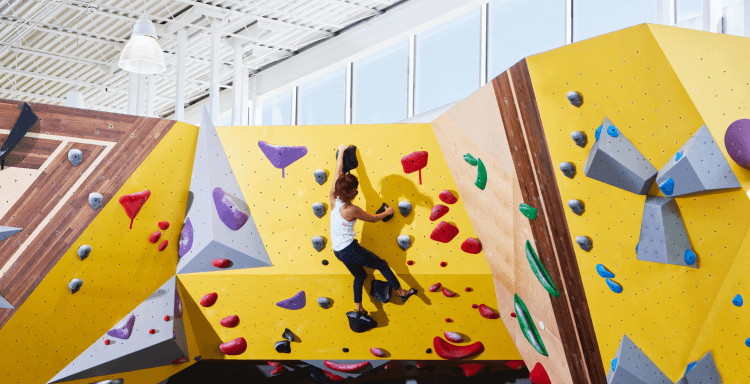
pixel 404 241
pixel 584 242
pixel 283 346
pixel 83 251
pixel 320 176
pixel 568 169
pixel 318 243
pixel 345 349
pixel 576 206
pixel 324 302
pixel 405 208
pixel 575 98
pixel 325 262
pixel 380 290
pixel 319 209
pixel 429 350
pixel 288 334
pixel 359 322
pixel 579 138
pixel 197 358
pixel 382 209
pixel 25 120
pixel 350 159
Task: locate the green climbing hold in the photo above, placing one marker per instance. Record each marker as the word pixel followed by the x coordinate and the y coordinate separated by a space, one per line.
pixel 540 272
pixel 528 211
pixel 481 182
pixel 470 159
pixel 528 327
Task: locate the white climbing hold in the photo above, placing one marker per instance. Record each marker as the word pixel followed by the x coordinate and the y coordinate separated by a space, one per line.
pixel 541 325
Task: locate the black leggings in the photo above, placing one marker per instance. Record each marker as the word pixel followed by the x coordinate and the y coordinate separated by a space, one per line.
pixel 354 256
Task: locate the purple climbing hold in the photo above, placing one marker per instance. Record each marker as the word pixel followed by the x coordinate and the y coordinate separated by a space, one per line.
pixel 177 304
pixel 295 302
pixel 228 211
pixel 281 156
pixel 126 330
pixel 737 301
pixel 737 141
pixel 186 238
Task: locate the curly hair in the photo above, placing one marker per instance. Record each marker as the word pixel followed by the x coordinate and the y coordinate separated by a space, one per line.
pixel 346 187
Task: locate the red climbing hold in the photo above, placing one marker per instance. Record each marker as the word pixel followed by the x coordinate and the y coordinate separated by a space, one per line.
pixel 151 331
pixel 209 299
pixel 474 306
pixel 278 370
pixel 333 376
pixel 443 264
pixel 133 203
pixel 106 342
pixel 449 351
pixel 471 245
pixel 180 360
pixel 234 347
pixel 415 161
pixel 467 289
pixel 448 197
pixel 163 225
pixel 448 293
pixel 444 232
pixel 409 262
pixel 221 263
pixel 512 314
pixel 515 364
pixel 448 320
pixel 163 245
pixel 377 352
pixel 539 375
pixel 471 369
pixel 154 237
pixel 230 321
pixel 421 364
pixel 273 363
pixel 166 318
pixel 438 211
pixel 435 287
pixel 349 368
pixel 487 312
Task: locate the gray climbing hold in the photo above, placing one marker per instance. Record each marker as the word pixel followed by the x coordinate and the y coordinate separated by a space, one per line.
pixel 83 251
pixel 617 162
pixel 5 303
pixel 75 156
pixel 283 346
pixel 95 200
pixel 575 98
pixel 579 138
pixel 404 241
pixel 6 232
pixel 568 169
pixel 634 367
pixel 319 209
pixel 584 242
pixel 117 381
pixel 663 237
pixel 75 285
pixel 703 371
pixel 576 206
pixel 318 243
pixel 288 334
pixel 701 167
pixel 321 176
pixel 324 302
pixel 405 208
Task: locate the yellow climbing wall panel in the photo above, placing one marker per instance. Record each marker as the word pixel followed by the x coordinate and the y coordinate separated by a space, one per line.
pixel 53 327
pixel 282 210
pixel 626 77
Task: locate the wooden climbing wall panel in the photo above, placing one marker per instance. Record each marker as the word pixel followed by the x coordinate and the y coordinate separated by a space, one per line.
pixel 31 152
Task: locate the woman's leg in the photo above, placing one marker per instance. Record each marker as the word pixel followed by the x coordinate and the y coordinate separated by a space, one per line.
pixel 371 260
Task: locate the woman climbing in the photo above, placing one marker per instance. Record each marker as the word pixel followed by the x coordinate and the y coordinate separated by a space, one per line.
pixel 344 215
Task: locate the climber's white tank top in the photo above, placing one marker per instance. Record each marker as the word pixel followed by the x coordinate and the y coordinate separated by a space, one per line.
pixel 342 231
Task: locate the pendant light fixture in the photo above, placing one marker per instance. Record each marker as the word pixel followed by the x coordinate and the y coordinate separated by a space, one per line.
pixel 74 99
pixel 142 53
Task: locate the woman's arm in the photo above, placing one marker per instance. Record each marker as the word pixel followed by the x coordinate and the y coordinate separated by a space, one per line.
pixel 360 214
pixel 339 168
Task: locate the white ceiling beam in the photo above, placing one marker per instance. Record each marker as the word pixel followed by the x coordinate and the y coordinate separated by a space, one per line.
pixel 55 99
pixel 349 5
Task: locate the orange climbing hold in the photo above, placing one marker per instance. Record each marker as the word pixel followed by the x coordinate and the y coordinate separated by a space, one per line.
pixel 471 369
pixel 133 203
pixel 163 245
pixel 154 237
pixel 539 375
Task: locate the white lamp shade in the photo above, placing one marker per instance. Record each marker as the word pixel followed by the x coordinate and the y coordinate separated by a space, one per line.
pixel 74 99
pixel 142 54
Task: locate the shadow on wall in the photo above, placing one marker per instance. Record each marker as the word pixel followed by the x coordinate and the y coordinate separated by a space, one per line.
pixel 204 334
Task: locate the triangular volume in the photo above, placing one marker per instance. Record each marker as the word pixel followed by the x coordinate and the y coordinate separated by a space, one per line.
pixel 699 166
pixel 218 224
pixel 614 160
pixel 5 304
pixel 663 237
pixel 632 366
pixel 703 372
pixel 6 232
pixel 152 335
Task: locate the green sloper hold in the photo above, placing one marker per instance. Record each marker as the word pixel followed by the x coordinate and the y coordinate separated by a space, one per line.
pixel 528 327
pixel 470 159
pixel 481 175
pixel 540 272
pixel 528 211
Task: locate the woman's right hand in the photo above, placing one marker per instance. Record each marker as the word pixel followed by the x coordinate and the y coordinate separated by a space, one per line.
pixel 388 211
pixel 343 148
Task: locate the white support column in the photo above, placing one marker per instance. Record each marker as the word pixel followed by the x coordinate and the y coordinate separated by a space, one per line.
pixel 294 105
pixel 141 108
pixel 411 76
pixel 179 98
pixel 746 18
pixel 672 11
pixel 238 88
pixel 133 93
pixel 245 112
pixel 483 44
pixel 213 98
pixel 255 108
pixel 348 94
pixel 150 95
pixel 712 18
pixel 568 21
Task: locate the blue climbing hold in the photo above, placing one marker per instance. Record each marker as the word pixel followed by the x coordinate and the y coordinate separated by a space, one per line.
pixel 612 131
pixel 603 272
pixel 689 257
pixel 614 363
pixel 747 342
pixel 737 300
pixel 690 366
pixel 667 187
pixel 616 288
pixel 598 133
pixel 678 156
pixel 636 248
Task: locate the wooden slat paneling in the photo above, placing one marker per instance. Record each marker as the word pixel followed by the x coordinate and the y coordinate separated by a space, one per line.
pixel 30 153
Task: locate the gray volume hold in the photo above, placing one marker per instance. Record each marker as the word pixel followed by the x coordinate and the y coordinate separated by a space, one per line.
pixel 632 366
pixel 404 242
pixel 576 206
pixel 75 156
pixel 320 176
pixel 318 243
pixel 568 169
pixel 5 304
pixel 663 237
pixel 6 232
pixel 584 242
pixel 405 208
pixel 75 285
pixel 84 251
pixel 95 200
pixel 614 160
pixel 704 371
pixel 579 138
pixel 319 209
pixel 698 166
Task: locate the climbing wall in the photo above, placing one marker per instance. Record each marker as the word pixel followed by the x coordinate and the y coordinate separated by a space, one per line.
pixel 658 86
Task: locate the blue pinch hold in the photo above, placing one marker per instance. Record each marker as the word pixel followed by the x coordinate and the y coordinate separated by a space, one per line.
pixel 689 257
pixel 737 301
pixel 616 288
pixel 614 363
pixel 598 133
pixel 612 131
pixel 603 271
pixel 678 156
pixel 747 342
pixel 667 187
pixel 690 366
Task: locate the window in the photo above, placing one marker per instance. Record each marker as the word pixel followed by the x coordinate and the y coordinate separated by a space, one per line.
pixel 323 100
pixel 447 65
pixel 689 14
pixel 597 17
pixel 277 110
pixel 521 28
pixel 733 14
pixel 380 86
